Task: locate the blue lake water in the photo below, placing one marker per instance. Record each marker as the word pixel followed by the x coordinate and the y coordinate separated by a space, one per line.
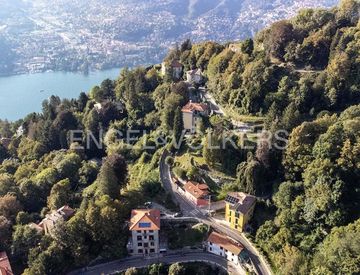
pixel 23 94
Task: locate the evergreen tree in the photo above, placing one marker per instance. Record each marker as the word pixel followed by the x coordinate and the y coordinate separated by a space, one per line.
pixel 178 125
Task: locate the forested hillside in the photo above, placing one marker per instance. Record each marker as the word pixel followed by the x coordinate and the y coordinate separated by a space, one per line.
pixel 301 75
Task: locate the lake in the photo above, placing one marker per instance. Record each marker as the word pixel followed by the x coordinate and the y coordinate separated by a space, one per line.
pixel 23 94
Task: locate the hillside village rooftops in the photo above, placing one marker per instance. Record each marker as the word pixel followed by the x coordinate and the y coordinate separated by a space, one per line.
pixel 191 107
pixel 5 267
pixel 226 243
pixel 144 219
pixel 197 190
pixel 240 202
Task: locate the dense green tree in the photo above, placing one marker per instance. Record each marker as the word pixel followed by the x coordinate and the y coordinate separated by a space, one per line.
pixel 24 239
pixel 250 177
pixel 178 125
pixel 112 176
pixel 60 194
pixel 5 232
pixel 9 207
pixel 342 242
pixel 176 269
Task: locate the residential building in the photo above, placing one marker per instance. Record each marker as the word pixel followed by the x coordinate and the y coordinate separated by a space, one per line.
pixel 197 193
pixel 144 227
pixel 192 113
pixel 239 208
pixel 194 76
pixel 235 47
pixel 226 247
pixel 5 267
pixel 49 222
pixel 175 66
pixel 98 106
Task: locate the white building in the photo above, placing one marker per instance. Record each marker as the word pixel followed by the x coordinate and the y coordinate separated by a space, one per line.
pixel 194 76
pixel 192 113
pixel 144 227
pixel 224 246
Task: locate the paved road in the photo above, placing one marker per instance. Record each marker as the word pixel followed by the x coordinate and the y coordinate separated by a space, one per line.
pixel 190 210
pixel 140 262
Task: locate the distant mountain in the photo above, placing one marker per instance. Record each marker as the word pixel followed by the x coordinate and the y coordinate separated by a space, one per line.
pixel 97 34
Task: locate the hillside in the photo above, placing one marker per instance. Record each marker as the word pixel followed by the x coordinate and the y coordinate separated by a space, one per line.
pixel 301 76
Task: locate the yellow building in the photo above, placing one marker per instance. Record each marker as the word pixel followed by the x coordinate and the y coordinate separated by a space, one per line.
pixel 239 208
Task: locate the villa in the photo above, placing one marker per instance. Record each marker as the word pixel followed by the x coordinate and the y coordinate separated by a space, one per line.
pixel 144 226
pixel 239 208
pixel 192 113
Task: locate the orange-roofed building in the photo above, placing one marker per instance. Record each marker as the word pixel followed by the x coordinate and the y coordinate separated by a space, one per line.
pixel 226 247
pixel 5 267
pixel 144 226
pixel 197 193
pixel 192 113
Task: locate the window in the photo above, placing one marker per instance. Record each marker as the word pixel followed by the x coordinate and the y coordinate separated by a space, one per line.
pixel 144 224
pixel 229 219
pixel 139 244
pixel 146 245
pixel 210 243
pixel 236 227
pixel 139 238
pixel 151 231
pixel 145 237
pixel 237 214
pixel 152 250
pixel 232 254
pixel 152 243
pixel 210 248
pixel 140 251
pixel 221 248
pixel 151 238
pixel 138 231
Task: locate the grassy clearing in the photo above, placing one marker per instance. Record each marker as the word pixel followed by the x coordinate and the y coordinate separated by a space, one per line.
pixel 180 236
pixel 184 161
pixel 243 118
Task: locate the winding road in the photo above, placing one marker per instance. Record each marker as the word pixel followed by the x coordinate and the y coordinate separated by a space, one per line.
pixel 140 262
pixel 190 210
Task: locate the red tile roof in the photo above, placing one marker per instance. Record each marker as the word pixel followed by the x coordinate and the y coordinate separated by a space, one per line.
pixel 197 190
pixel 191 107
pixel 5 267
pixel 225 242
pixel 140 217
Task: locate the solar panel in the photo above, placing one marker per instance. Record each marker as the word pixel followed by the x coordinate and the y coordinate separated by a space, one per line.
pixel 231 199
pixel 144 224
